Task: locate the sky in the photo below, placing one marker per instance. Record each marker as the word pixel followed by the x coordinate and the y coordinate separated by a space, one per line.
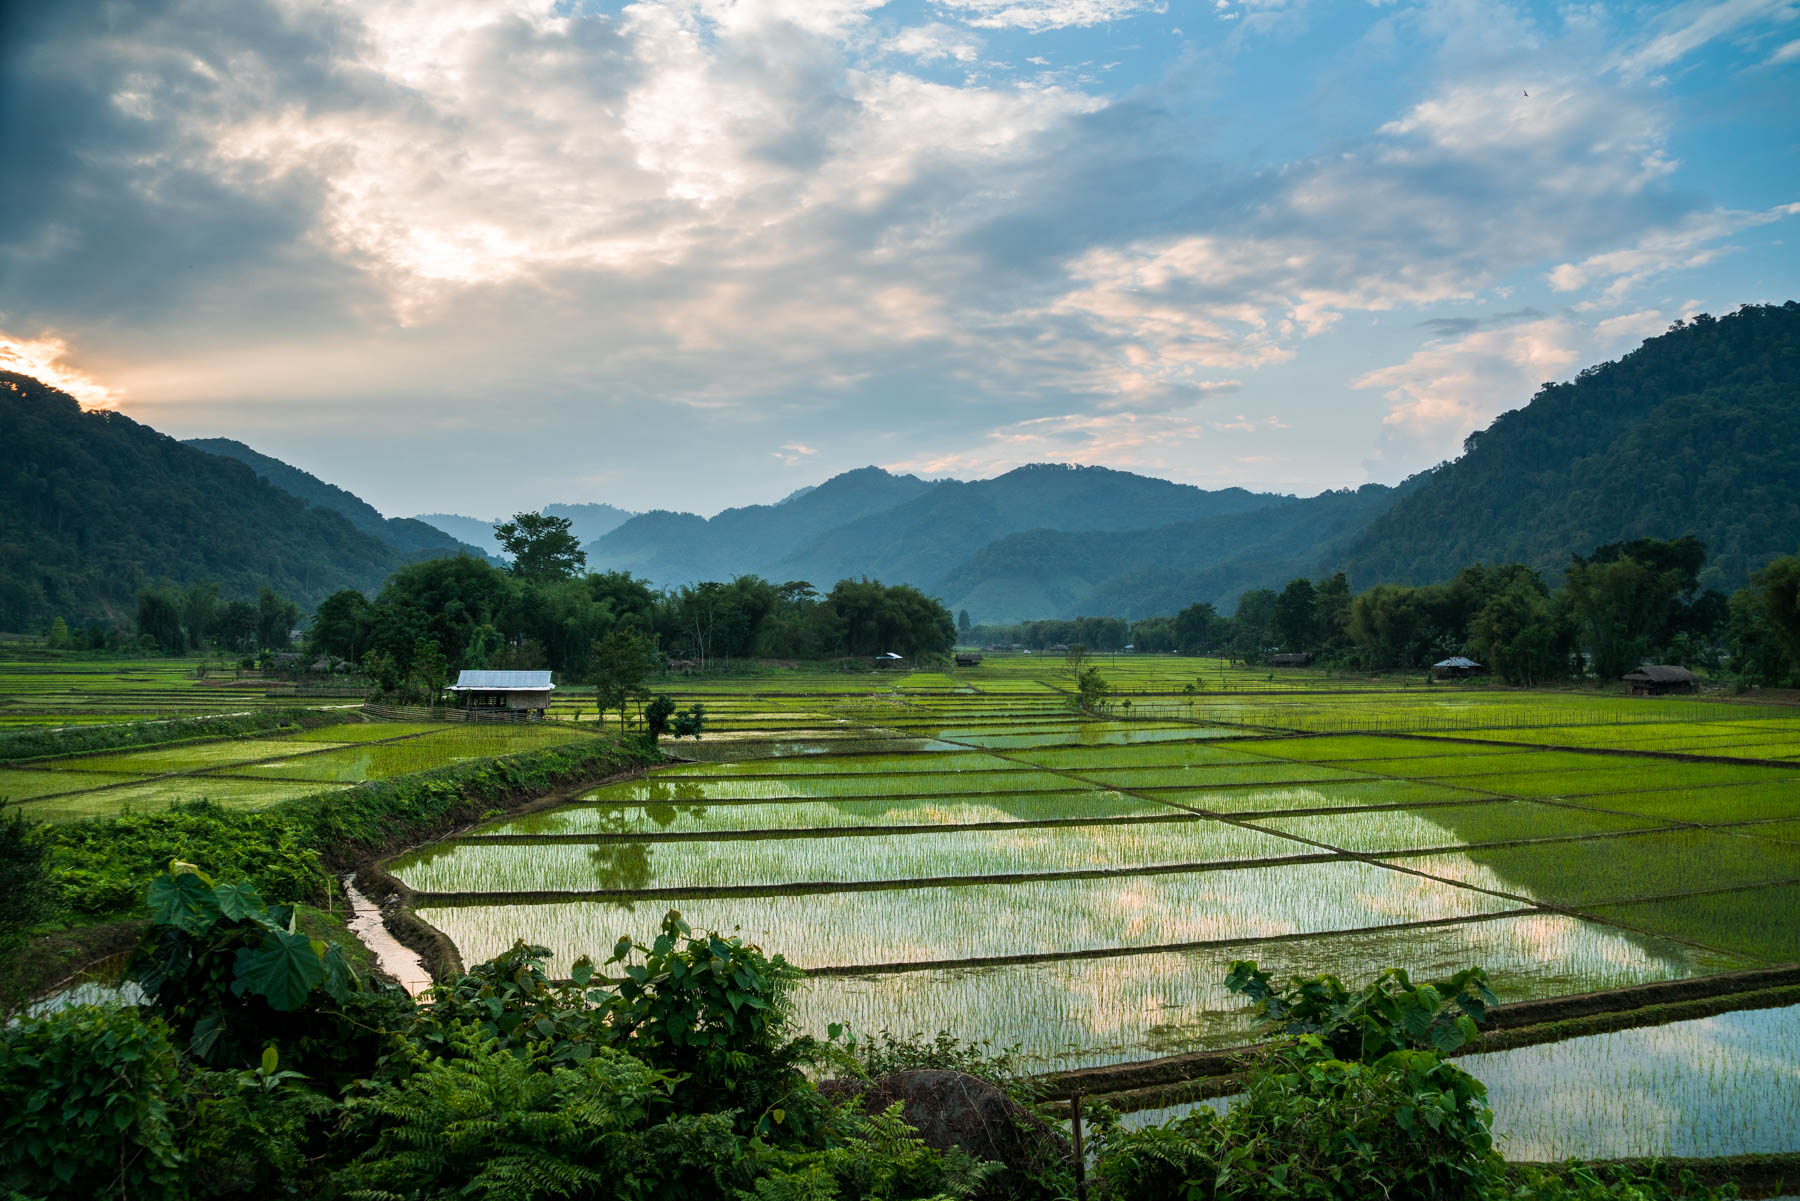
pixel 478 256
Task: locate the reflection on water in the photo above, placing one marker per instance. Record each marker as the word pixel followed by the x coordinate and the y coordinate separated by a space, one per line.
pixel 1723 1085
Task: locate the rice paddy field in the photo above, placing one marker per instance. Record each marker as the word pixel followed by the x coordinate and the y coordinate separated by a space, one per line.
pixel 960 851
pixel 252 773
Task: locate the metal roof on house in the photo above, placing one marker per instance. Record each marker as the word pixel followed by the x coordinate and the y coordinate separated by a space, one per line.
pixel 1458 661
pixel 502 681
pixel 890 655
pixel 1655 673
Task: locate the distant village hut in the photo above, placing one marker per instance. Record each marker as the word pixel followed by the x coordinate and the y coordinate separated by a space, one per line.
pixel 887 660
pixel 1654 679
pixel 968 659
pixel 515 694
pixel 1294 659
pixel 1456 667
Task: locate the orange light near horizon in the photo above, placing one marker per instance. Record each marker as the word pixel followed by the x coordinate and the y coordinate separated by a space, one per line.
pixel 40 359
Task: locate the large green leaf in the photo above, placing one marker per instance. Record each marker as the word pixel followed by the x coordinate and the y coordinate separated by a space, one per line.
pixel 239 901
pixel 184 900
pixel 281 971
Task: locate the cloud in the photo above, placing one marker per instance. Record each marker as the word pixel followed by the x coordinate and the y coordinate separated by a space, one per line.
pixel 1038 15
pixel 1687 27
pixel 793 454
pixel 1683 247
pixel 935 42
pixel 1456 327
pixel 45 359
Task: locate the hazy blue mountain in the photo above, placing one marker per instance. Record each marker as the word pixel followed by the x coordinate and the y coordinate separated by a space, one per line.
pixel 590 521
pixel 680 548
pixel 924 540
pixel 406 534
pixel 472 530
pixel 1695 432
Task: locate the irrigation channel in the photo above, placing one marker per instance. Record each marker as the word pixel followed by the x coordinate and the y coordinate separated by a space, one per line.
pixel 963 853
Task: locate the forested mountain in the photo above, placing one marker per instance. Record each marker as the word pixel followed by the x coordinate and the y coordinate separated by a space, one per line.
pixel 94 506
pixel 403 533
pixel 681 548
pixel 1138 573
pixel 1695 432
pixel 1042 540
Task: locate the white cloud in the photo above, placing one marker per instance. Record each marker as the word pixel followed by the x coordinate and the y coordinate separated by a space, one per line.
pixel 1690 244
pixel 1687 27
pixel 935 42
pixel 1039 15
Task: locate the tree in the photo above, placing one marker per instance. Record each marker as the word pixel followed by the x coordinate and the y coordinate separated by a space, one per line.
pixel 1629 598
pixel 159 619
pixel 1295 615
pixel 1519 634
pixel 1075 660
pixel 59 637
pixel 275 618
pixel 341 626
pixel 1196 628
pixel 1777 590
pixel 1090 689
pixel 430 670
pixel 542 548
pixel 657 714
pixel 620 663
pixel 963 624
pixel 1254 624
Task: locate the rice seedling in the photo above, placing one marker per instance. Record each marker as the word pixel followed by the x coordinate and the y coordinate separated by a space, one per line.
pixel 474 866
pixel 1285 798
pixel 190 756
pixel 1615 869
pixel 1205 776
pixel 778 787
pixel 1449 825
pixel 1722 1085
pixel 927 811
pixel 931 923
pixel 1762 923
pixel 1083 1012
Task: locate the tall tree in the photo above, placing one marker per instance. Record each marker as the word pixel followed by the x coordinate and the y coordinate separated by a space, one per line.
pixel 542 547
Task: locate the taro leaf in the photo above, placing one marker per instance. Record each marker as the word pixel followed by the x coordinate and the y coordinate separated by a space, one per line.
pixel 338 978
pixel 281 971
pixel 239 901
pixel 184 900
pixel 208 1034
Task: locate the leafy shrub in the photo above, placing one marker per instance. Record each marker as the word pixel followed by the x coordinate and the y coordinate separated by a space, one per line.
pixel 1388 1014
pixel 26 896
pixel 711 1009
pixel 490 1123
pixel 84 1106
pixel 230 973
pixel 255 1132
pixel 1312 1125
pixel 101 865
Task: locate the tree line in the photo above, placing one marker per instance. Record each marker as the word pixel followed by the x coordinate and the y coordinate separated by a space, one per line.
pixel 435 617
pixel 1624 604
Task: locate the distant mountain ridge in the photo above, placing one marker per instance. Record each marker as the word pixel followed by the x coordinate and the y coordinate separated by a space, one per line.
pixel 587 522
pixel 404 533
pixel 942 535
pixel 1695 432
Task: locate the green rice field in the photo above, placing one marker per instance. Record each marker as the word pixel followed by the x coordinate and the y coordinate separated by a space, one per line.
pixel 962 851
pixel 1077 886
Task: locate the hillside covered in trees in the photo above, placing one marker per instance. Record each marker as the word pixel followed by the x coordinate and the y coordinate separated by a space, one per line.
pixel 1697 432
pixel 95 507
pixel 402 533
